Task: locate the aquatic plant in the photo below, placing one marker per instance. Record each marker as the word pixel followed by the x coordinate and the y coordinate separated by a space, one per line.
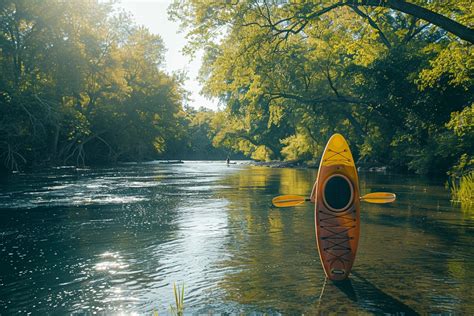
pixel 178 309
pixel 462 189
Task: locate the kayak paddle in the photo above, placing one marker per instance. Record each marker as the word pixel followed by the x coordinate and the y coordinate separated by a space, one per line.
pixel 379 197
pixel 289 200
pixel 294 200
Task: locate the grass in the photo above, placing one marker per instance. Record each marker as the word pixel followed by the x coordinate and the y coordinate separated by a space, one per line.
pixel 462 189
pixel 178 309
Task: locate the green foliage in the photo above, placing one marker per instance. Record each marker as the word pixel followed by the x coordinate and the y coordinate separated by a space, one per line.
pixel 463 165
pixel 198 134
pixel 462 124
pixel 261 153
pixel 299 146
pixel 82 84
pixel 455 61
pixel 462 189
pixel 291 74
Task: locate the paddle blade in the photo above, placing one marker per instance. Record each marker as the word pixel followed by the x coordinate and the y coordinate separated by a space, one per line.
pixel 379 197
pixel 288 200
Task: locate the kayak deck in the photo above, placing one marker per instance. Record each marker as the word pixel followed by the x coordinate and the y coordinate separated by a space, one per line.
pixel 337 209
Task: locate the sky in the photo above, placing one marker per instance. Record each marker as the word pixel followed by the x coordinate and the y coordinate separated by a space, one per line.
pixel 153 15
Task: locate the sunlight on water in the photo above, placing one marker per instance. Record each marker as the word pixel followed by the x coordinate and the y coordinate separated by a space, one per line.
pixel 115 240
pixel 112 264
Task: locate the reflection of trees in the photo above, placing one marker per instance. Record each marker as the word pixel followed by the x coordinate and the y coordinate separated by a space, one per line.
pixel 405 253
pixel 467 211
pixel 296 181
pixel 462 271
pixel 273 258
pixel 409 250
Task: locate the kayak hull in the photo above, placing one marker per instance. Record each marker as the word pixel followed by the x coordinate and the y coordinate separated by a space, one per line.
pixel 337 209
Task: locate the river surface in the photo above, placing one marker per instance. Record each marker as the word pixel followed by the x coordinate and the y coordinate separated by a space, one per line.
pixel 115 240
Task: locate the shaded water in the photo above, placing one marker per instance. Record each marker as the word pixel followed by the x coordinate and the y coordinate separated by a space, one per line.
pixel 115 240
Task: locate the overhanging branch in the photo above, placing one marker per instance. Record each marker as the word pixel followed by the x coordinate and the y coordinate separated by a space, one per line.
pixel 372 23
pixel 463 32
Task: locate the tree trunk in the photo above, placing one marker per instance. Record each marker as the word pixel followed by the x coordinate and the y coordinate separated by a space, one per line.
pixel 434 18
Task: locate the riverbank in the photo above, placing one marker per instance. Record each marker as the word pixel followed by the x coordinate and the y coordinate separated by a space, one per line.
pixel 285 164
pixel 313 165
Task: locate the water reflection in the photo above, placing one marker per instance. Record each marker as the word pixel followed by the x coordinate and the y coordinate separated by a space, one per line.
pixel 116 239
pixel 405 249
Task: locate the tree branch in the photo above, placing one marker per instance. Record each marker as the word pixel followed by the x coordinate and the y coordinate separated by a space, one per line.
pixel 409 37
pixel 343 99
pixel 462 31
pixel 372 23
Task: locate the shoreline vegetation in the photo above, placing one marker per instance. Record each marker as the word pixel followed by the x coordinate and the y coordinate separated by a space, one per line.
pixel 314 165
pixel 88 86
pixel 462 189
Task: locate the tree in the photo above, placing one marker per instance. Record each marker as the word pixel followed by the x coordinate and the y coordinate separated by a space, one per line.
pixel 297 16
pixel 379 76
pixel 82 84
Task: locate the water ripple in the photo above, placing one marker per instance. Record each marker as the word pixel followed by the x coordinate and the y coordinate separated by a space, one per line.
pixel 115 240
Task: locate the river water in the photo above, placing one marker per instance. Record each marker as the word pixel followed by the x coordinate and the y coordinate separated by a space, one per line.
pixel 115 240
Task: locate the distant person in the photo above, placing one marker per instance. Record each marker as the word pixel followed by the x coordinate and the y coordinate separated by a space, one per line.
pixel 228 160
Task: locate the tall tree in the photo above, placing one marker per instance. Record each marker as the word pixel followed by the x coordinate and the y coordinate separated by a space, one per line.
pixel 82 84
pixel 386 79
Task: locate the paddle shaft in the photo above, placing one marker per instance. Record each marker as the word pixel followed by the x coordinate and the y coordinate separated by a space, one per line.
pixel 309 200
pixel 294 200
